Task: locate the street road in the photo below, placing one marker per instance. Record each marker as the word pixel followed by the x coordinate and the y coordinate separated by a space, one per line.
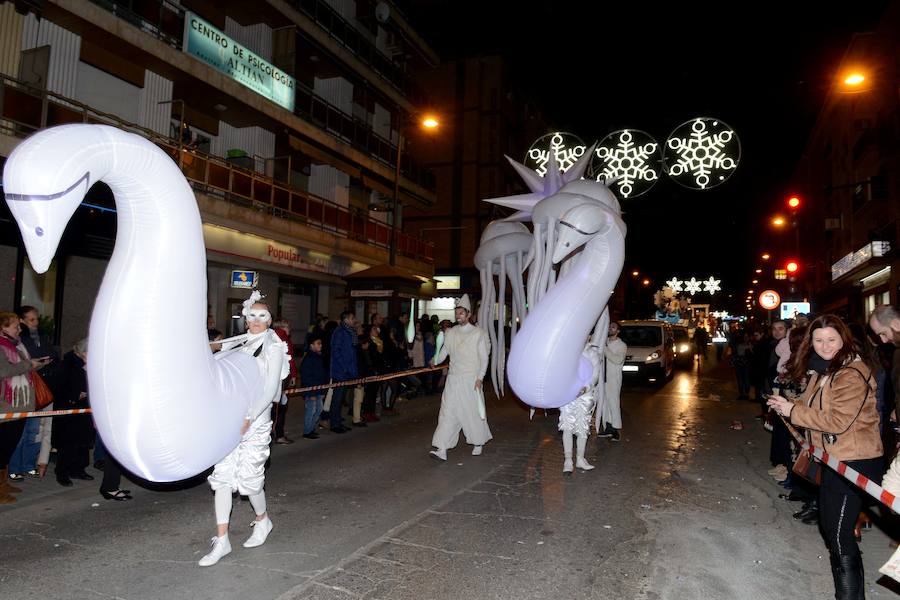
pixel 681 508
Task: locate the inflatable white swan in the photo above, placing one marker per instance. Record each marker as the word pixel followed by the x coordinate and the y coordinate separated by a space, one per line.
pixel 166 408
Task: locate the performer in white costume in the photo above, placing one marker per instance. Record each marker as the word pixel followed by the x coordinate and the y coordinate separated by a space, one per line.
pixel 243 470
pixel 575 417
pixel 610 412
pixel 462 404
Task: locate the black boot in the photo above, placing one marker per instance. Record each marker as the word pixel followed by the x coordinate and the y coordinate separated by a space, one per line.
pixel 848 577
pixel 810 509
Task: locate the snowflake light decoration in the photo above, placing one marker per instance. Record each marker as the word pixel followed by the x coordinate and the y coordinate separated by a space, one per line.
pixel 675 284
pixel 702 153
pixel 567 148
pixel 712 285
pixel 631 158
pixel 692 286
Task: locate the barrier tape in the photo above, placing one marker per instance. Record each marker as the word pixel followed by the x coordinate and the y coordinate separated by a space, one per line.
pixel 44 413
pixel 363 380
pixel 848 473
pixel 289 391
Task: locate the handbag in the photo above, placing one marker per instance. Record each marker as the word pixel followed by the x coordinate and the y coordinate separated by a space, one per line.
pixel 43 397
pixel 807 467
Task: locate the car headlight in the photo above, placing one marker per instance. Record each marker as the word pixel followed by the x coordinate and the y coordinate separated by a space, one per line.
pixel 653 356
pixel 684 348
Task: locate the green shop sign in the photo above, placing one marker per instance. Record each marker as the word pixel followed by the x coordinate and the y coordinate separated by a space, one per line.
pixel 203 41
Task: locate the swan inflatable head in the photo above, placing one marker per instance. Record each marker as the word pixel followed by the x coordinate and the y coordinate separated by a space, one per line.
pixel 582 223
pixel 44 181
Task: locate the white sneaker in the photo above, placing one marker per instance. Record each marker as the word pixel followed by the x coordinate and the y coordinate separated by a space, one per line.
pixel 567 467
pixel 439 454
pixel 584 465
pixel 220 547
pixel 261 530
pixel 476 451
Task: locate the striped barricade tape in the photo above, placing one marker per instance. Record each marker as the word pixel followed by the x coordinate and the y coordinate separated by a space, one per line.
pixel 289 391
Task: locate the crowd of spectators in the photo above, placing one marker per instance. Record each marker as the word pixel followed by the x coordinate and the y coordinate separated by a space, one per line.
pixel 835 384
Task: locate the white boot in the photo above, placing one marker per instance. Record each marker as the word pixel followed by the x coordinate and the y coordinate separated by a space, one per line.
pixel 582 464
pixel 220 547
pixel 261 530
pixel 476 451
pixel 439 454
pixel 567 452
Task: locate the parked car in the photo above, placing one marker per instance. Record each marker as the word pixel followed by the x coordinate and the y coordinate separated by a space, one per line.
pixel 684 347
pixel 651 350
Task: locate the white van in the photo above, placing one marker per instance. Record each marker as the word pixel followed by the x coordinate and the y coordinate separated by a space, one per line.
pixel 651 350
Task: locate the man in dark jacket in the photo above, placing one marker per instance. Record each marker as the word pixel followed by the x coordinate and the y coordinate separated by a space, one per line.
pixel 343 365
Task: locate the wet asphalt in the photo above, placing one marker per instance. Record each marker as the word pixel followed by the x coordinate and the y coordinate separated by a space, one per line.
pixel 680 508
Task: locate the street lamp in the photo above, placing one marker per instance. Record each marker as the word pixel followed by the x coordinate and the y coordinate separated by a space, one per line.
pixel 430 123
pixel 778 221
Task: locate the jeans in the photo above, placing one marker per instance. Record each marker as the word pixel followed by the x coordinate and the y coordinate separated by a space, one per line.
pixel 311 415
pixel 24 457
pixel 337 400
pixel 840 503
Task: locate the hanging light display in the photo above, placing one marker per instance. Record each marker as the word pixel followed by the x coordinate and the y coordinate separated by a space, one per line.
pixel 702 153
pixel 565 147
pixel 629 159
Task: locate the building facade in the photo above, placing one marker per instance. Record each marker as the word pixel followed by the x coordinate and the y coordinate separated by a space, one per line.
pixel 488 119
pixel 850 224
pixel 282 114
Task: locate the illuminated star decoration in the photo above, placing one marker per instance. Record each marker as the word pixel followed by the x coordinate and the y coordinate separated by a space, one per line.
pixel 703 157
pixel 720 315
pixel 566 149
pixel 675 284
pixel 628 159
pixel 540 186
pixel 712 285
pixel 692 286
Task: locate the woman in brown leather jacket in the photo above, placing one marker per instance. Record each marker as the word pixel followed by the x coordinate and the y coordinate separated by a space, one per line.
pixel 839 414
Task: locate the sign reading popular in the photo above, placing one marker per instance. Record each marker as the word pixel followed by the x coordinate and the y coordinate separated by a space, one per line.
pixel 203 41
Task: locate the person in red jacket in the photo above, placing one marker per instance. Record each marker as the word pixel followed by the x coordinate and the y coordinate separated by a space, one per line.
pixel 279 411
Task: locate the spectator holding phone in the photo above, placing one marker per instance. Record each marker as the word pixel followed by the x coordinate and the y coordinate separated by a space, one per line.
pixel 16 395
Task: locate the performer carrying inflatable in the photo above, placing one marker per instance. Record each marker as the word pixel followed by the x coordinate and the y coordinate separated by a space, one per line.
pixel 462 404
pixel 243 470
pixel 575 417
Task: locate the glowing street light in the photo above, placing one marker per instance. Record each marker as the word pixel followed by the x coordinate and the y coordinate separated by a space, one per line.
pixel 430 122
pixel 778 221
pixel 758 271
pixel 755 281
pixel 646 282
pixel 766 256
pixel 854 79
pixel 635 273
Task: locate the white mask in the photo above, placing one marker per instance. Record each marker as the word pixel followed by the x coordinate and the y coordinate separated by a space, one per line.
pixel 259 314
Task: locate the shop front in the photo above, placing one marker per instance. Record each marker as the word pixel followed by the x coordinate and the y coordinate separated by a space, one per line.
pixel 299 283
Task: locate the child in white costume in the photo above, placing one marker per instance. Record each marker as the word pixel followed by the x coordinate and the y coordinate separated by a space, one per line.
pixel 575 417
pixel 243 470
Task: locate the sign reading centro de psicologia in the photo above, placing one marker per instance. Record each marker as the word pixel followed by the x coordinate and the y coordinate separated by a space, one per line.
pixel 203 41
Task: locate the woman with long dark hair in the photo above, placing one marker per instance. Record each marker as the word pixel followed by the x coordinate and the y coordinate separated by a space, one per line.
pixel 839 413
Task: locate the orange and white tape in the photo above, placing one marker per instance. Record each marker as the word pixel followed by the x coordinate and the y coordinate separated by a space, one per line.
pixel 289 392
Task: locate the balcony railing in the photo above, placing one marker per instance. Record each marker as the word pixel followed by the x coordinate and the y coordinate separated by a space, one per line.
pixel 165 21
pixel 24 110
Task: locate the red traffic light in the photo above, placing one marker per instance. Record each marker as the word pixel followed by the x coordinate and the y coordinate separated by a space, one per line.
pixel 794 202
pixel 792 266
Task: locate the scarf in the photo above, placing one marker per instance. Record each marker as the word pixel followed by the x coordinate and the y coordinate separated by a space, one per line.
pixel 354 341
pixel 817 363
pixel 15 390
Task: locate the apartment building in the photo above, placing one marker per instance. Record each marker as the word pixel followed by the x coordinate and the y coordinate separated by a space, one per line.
pixel 282 114
pixel 849 226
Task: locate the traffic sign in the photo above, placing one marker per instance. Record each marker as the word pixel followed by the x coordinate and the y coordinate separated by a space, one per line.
pixel 769 299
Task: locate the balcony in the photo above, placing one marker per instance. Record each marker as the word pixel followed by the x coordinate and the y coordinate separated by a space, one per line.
pixel 24 110
pixel 165 21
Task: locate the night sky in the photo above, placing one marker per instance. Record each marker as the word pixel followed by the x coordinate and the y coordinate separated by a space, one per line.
pixel 596 67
